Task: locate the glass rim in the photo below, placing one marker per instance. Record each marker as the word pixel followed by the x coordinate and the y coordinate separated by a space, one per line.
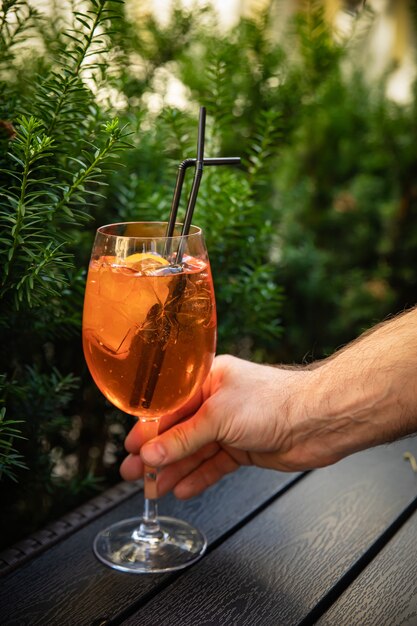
pixel 102 230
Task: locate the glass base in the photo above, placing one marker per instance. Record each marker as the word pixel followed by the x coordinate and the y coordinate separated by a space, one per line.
pixel 172 545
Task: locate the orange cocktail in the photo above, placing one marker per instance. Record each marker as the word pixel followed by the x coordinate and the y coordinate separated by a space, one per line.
pixel 149 331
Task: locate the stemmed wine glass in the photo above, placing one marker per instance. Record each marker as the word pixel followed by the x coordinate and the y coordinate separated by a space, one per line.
pixel 149 336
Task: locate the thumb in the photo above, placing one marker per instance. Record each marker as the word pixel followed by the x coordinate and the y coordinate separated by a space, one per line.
pixel 181 440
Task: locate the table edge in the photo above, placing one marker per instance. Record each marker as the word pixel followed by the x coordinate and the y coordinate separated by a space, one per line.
pixel 15 555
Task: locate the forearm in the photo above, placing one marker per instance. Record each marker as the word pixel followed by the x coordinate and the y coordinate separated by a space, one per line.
pixel 365 394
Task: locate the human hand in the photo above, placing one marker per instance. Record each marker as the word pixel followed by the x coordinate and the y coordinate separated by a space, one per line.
pixel 245 414
pixel 287 419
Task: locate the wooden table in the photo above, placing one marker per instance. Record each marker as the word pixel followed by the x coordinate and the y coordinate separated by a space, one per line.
pixel 336 546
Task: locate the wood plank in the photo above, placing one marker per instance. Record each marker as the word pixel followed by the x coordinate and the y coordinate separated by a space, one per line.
pixel 278 567
pixel 67 585
pixel 385 592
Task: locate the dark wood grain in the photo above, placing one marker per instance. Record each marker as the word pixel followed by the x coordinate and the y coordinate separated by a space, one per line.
pixel 385 592
pixel 278 567
pixel 67 585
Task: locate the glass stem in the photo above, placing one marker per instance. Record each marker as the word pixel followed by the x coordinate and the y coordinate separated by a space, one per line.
pixel 150 525
pixel 150 522
pixel 150 511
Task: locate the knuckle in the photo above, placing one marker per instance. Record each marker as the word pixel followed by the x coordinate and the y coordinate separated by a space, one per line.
pixel 182 442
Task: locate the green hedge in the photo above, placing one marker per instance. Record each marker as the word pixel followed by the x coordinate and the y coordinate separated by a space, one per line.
pixel 311 240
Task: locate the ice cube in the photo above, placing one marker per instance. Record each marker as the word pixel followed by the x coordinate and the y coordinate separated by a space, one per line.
pixel 115 283
pixel 108 322
pixel 196 306
pixel 119 302
pixel 169 270
pixel 109 342
pixel 147 292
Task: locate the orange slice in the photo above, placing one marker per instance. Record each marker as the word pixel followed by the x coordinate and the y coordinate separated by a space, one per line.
pixel 145 261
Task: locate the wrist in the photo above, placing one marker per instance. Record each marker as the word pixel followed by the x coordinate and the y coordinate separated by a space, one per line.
pixel 358 402
pixel 331 416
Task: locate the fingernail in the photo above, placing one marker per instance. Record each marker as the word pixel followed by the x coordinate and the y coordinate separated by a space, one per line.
pixel 153 454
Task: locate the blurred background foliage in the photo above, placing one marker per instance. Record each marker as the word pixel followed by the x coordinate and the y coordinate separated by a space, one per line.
pixel 312 240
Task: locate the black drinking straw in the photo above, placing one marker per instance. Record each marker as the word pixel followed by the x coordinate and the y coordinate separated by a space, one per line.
pixel 182 168
pixel 198 172
pixel 198 175
pixel 157 334
pixel 198 164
